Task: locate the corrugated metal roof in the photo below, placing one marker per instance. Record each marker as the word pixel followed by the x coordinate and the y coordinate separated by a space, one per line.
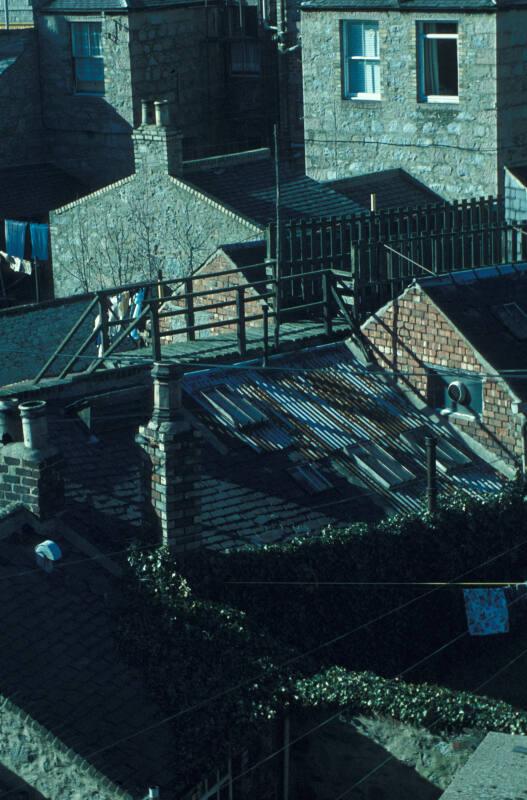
pixel 317 404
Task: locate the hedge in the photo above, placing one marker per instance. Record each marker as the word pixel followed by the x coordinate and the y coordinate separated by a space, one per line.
pixel 464 533
pixel 425 705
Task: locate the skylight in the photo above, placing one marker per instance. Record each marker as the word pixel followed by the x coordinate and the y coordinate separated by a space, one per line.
pixel 376 462
pixel 232 409
pixel 448 456
pixel 310 478
pixel 514 318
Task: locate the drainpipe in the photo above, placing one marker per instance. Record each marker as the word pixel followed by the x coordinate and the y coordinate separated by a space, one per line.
pixel 524 449
pixel 431 474
pixel 6 14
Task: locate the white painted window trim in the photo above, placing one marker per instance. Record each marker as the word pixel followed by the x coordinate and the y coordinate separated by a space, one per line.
pixel 348 94
pixel 421 37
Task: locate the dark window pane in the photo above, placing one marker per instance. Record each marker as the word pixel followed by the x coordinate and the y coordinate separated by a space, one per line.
pixel 440 27
pixel 440 57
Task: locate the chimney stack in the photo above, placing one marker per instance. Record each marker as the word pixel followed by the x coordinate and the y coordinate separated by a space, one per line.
pixel 31 472
pixel 158 145
pixel 171 463
pixel 9 421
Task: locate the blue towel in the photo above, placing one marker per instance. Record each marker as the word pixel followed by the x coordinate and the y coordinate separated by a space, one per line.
pixel 138 307
pixel 487 611
pixel 39 241
pixel 15 238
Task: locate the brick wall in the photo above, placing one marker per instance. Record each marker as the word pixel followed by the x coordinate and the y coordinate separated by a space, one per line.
pixel 226 283
pixel 32 478
pixel 410 333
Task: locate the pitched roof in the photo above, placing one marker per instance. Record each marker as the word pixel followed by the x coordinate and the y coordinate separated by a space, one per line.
pixel 488 306
pixel 394 188
pixel 334 442
pixel 455 6
pixel 60 664
pixel 96 6
pixel 32 191
pixel 250 189
pixel 520 173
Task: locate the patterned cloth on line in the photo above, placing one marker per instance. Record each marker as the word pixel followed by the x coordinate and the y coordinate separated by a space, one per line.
pixel 487 611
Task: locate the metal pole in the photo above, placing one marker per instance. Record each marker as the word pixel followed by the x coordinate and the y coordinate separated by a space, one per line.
pixel 431 474
pixel 265 360
pixel 6 14
pixel 278 241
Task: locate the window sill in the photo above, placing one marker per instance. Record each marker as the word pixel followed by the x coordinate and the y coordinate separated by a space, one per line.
pixel 372 98
pixel 438 101
pixel 468 415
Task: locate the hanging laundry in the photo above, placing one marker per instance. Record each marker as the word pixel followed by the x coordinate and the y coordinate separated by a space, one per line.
pixel 124 305
pixel 137 300
pixel 15 238
pixel 39 241
pixel 26 267
pixel 487 611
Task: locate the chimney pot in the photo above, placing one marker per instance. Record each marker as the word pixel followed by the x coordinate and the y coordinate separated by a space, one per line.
pixel 146 112
pixel 162 112
pixel 167 391
pixel 34 424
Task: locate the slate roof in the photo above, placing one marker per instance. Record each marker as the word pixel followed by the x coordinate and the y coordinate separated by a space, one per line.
pixel 394 188
pixel 250 189
pixel 96 6
pixel 456 6
pixel 321 406
pixel 488 306
pixel 32 191
pixel 60 665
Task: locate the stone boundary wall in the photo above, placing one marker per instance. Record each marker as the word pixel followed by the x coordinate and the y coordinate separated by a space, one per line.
pixel 411 332
pixel 38 757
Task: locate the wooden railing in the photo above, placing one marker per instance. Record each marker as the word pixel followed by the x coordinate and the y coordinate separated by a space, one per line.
pixel 255 302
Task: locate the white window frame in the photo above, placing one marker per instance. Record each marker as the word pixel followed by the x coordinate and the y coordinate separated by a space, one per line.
pixel 421 38
pixel 75 56
pixel 346 57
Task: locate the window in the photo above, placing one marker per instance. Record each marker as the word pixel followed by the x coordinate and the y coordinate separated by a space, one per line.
pixel 438 67
pixel 88 65
pixel 245 57
pixel 361 60
pixel 245 47
pixel 375 461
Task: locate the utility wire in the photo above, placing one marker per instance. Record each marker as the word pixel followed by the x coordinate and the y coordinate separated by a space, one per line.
pixel 391 758
pixel 340 637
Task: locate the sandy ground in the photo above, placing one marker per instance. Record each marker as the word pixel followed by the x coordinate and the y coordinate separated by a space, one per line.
pixel 377 759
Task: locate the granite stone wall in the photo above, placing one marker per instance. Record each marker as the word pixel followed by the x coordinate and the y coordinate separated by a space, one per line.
pixel 20 119
pixel 410 334
pixel 171 54
pixel 127 231
pixel 451 147
pixel 88 135
pixel 32 752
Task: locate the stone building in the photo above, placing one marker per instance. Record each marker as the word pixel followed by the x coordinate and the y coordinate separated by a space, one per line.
pixel 172 215
pixel 438 90
pixel 456 341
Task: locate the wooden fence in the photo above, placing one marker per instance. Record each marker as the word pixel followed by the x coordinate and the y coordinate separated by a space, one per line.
pixel 383 251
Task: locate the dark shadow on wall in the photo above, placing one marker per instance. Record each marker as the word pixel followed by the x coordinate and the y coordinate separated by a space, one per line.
pixel 328 763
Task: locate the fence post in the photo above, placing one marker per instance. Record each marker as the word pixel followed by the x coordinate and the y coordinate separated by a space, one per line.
pixel 240 324
pixel 103 317
pixel 265 310
pixel 326 297
pixel 189 310
pixel 154 331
